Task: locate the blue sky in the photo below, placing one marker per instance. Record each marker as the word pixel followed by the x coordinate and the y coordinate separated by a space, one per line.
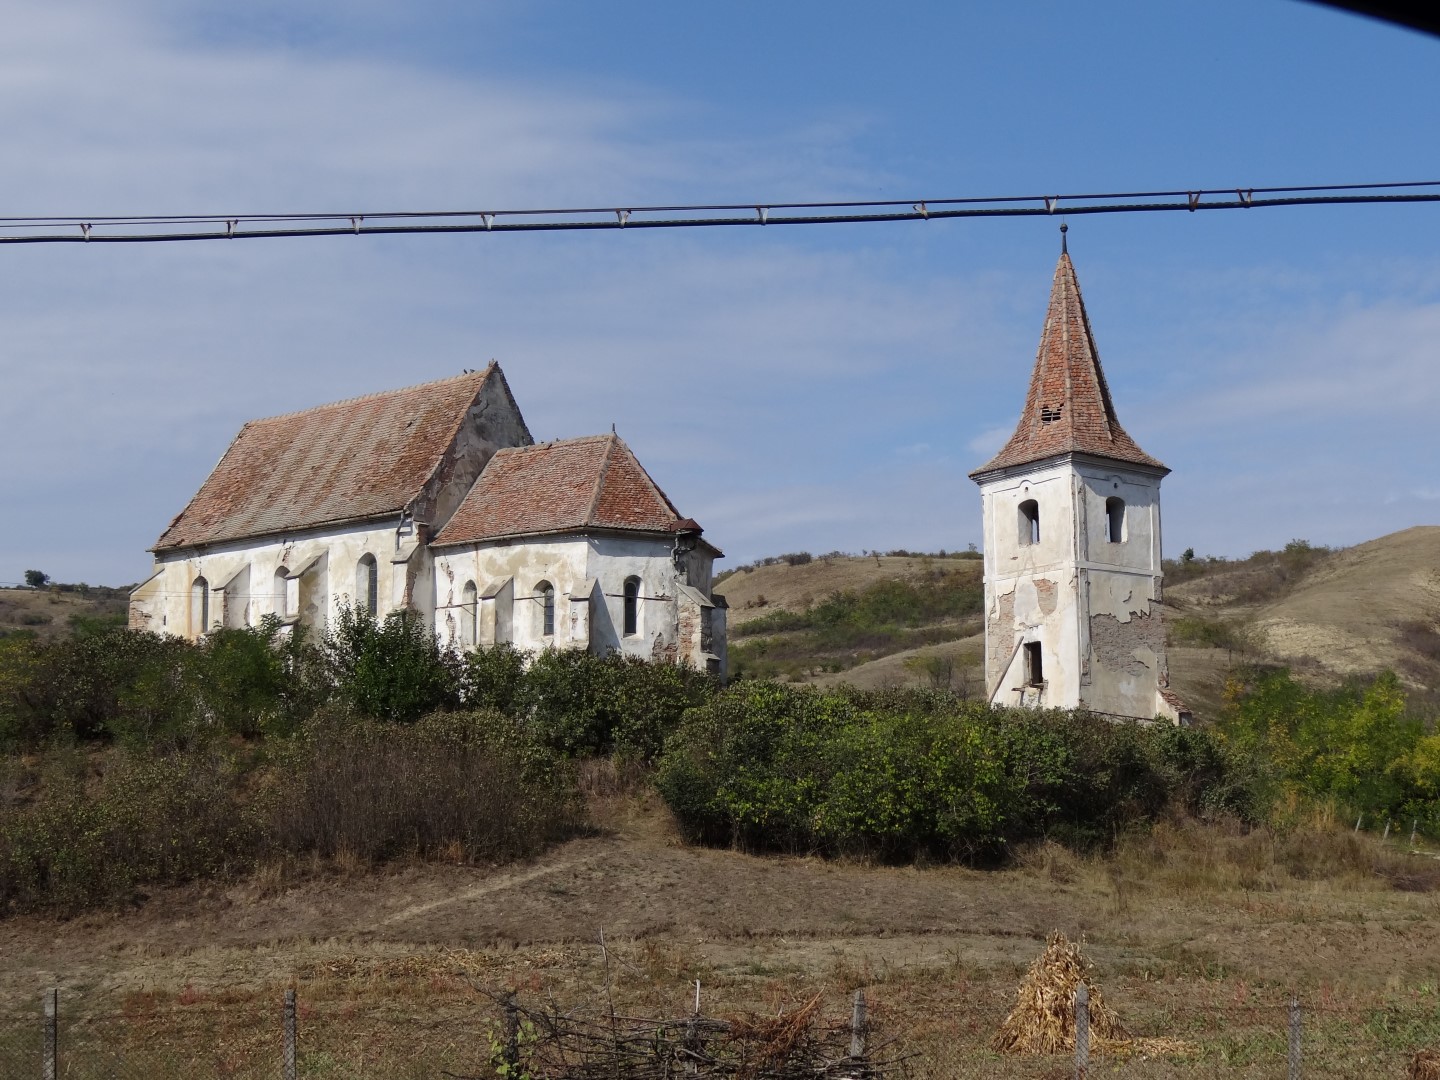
pixel 812 388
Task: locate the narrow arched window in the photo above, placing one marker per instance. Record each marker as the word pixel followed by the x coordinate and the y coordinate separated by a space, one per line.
pixel 199 607
pixel 281 591
pixel 469 615
pixel 1029 522
pixel 1115 520
pixel 367 586
pixel 632 605
pixel 545 593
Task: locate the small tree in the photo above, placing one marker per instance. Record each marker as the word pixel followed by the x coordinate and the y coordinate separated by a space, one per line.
pixel 36 579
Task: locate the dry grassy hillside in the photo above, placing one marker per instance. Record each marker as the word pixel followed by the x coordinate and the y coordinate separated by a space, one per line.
pixel 801 618
pixel 1327 614
pixel 753 591
pixel 49 612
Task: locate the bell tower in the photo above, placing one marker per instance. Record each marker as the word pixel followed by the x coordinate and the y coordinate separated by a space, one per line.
pixel 1071 513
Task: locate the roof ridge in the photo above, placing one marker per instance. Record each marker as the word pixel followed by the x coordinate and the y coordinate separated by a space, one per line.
pixel 600 479
pixel 654 487
pixel 484 374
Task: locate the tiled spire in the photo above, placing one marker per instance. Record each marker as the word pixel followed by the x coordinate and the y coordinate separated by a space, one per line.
pixel 1068 408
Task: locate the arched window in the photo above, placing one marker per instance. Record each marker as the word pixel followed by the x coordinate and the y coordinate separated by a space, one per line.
pixel 545 592
pixel 1115 520
pixel 1029 522
pixel 280 591
pixel 199 607
pixel 469 615
pixel 367 586
pixel 632 605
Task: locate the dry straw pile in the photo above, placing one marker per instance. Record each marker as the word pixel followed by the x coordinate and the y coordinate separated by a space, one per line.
pixel 1043 1019
pixel 1425 1065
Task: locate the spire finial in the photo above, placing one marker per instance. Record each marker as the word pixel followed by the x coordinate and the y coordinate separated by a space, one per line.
pixel 1064 249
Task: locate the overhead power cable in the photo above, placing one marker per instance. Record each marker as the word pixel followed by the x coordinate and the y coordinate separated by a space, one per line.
pixel 162 228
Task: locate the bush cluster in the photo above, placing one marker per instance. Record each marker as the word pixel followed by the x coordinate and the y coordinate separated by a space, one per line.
pixel 140 690
pixel 463 786
pixel 902 774
pixel 1357 748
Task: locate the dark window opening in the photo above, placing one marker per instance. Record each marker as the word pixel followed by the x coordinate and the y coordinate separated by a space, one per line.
pixel 632 606
pixel 1034 671
pixel 1115 520
pixel 199 607
pixel 367 585
pixel 547 601
pixel 1029 522
pixel 1049 415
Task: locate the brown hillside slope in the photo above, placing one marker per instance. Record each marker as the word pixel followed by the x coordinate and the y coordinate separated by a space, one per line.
pixel 755 592
pixel 1349 614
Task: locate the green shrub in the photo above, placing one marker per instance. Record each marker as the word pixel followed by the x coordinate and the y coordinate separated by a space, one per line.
pixel 147 820
pixel 899 774
pixel 579 704
pixel 393 669
pixel 494 678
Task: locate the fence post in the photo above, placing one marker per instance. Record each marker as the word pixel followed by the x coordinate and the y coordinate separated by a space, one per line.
pixel 50 1066
pixel 857 1025
pixel 1082 1031
pixel 1294 1038
pixel 287 1054
pixel 512 1034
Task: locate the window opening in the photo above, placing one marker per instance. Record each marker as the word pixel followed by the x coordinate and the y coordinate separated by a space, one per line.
pixel 1034 671
pixel 546 592
pixel 632 606
pixel 469 615
pixel 1049 415
pixel 1029 522
pixel 1115 520
pixel 282 591
pixel 199 607
pixel 367 586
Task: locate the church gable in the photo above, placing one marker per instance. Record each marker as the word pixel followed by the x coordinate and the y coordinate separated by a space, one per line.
pixel 569 485
pixel 351 461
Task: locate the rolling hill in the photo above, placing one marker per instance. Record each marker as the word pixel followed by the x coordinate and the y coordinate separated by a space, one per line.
pixel 1326 614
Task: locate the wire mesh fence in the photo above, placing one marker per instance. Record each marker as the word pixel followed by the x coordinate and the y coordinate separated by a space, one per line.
pixel 288 1038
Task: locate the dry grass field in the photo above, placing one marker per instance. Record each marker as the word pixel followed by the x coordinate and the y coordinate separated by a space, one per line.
pixel 1195 934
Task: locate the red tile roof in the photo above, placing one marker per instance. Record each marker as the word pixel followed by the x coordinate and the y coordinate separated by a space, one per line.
pixel 562 486
pixel 346 461
pixel 1068 408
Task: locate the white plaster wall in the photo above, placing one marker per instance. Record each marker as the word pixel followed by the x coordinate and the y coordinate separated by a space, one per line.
pixel 570 564
pixel 163 605
pixel 1089 602
pixel 562 561
pixel 1036 583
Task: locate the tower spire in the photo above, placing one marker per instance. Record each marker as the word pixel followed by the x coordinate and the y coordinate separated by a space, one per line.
pixel 1068 407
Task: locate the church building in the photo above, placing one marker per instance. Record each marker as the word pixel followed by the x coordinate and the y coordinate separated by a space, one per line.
pixel 1071 518
pixel 434 498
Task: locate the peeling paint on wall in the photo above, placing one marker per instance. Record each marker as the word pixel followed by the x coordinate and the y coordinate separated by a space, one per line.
pixel 1045 591
pixel 1133 647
